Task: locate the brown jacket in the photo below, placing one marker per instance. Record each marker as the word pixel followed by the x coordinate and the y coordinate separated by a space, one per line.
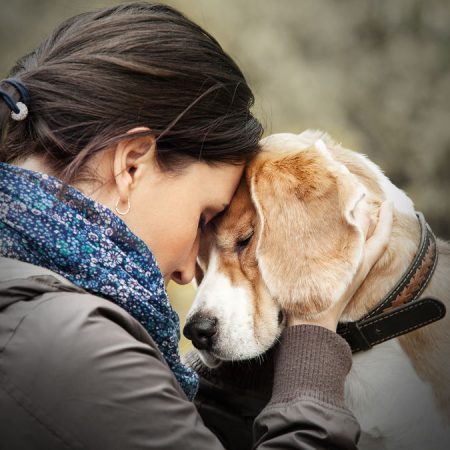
pixel 78 372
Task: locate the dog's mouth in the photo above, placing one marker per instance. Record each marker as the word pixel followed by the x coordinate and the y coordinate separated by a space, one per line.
pixel 209 359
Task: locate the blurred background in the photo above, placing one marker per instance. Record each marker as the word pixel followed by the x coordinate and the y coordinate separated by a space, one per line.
pixel 375 74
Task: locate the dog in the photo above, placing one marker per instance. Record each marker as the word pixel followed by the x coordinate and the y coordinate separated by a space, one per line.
pixel 289 241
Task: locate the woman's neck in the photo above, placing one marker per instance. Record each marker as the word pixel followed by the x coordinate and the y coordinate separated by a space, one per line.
pixel 35 163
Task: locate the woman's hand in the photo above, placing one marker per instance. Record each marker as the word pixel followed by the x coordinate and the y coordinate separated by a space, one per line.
pixel 374 247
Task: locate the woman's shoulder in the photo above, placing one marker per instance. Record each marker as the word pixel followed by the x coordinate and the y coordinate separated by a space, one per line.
pixel 44 308
pixel 78 367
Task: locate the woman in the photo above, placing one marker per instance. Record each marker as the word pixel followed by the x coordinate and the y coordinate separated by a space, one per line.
pixel 128 130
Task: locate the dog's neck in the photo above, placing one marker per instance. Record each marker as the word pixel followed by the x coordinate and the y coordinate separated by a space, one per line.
pixel 389 269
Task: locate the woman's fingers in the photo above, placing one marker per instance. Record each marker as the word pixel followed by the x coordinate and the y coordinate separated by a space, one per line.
pixel 363 218
pixel 374 247
pixel 377 243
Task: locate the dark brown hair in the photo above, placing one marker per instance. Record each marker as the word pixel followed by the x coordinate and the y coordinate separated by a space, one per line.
pixel 102 73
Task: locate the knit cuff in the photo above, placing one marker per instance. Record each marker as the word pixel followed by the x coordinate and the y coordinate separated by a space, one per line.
pixel 311 361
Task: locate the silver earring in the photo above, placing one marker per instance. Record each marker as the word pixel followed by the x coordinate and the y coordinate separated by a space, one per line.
pixel 123 213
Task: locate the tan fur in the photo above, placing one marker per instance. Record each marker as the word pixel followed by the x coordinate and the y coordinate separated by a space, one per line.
pixel 429 347
pixel 302 201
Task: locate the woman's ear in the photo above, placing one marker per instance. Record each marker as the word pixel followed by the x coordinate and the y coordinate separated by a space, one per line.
pixel 133 158
pixel 309 244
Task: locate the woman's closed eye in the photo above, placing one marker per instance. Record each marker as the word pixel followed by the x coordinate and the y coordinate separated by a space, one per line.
pixel 202 223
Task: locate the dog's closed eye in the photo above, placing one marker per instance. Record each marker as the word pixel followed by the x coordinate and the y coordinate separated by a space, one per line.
pixel 242 243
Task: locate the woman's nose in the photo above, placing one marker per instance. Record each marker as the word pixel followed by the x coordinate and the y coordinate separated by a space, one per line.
pixel 182 276
pixel 186 272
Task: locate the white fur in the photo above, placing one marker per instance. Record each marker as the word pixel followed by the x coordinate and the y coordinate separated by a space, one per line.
pixel 325 152
pixel 233 309
pixel 395 408
pixel 402 203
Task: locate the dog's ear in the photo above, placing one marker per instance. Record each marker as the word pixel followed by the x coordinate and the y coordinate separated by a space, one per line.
pixel 309 244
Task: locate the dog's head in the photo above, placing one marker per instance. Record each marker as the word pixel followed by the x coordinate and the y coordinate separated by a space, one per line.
pixel 289 242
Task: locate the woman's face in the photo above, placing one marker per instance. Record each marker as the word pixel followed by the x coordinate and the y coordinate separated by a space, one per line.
pixel 166 209
pixel 167 212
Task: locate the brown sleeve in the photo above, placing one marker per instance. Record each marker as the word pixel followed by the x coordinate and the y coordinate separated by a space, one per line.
pixel 307 408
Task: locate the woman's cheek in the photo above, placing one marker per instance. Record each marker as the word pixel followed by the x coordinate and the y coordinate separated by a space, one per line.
pixel 183 244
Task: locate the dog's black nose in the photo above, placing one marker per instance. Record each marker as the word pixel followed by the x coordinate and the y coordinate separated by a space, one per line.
pixel 201 330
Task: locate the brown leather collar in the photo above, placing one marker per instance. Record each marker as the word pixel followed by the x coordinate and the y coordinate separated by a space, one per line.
pixel 401 310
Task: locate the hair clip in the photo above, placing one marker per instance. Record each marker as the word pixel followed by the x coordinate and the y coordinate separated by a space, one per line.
pixel 22 113
pixel 19 110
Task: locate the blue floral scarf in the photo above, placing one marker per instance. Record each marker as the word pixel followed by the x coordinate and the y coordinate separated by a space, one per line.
pixel 89 245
